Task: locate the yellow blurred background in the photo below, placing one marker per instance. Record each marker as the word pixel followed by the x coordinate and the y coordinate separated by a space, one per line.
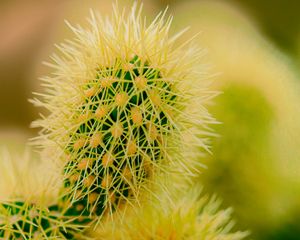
pixel 253 48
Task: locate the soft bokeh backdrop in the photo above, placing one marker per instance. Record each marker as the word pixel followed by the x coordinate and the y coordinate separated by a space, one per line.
pixel 253 48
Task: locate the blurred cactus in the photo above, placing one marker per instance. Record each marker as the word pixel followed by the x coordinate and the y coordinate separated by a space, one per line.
pixel 179 215
pixel 255 165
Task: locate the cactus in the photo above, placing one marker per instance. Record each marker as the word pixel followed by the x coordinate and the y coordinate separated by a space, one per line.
pixel 121 136
pixel 28 209
pixel 189 217
pixel 26 220
pixel 122 123
pixel 36 217
pixel 119 111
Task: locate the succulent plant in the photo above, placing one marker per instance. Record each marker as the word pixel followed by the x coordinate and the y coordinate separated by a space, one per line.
pixel 26 220
pixel 118 103
pixel 186 215
pixel 28 207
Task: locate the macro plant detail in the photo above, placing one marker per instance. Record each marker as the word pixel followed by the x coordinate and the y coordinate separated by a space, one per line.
pixel 174 125
pixel 119 102
pixel 125 128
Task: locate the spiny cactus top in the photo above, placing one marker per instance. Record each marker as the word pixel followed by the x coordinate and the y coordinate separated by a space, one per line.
pixel 120 102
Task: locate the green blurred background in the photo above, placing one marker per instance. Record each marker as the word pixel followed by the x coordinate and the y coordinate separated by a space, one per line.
pixel 252 45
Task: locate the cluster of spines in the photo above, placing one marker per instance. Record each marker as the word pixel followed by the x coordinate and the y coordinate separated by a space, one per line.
pixel 120 137
pixel 25 220
pixel 186 216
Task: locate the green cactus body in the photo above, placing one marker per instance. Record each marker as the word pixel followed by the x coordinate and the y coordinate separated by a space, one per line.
pixel 120 136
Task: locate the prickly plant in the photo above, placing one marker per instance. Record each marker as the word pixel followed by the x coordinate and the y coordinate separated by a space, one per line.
pixel 27 203
pixel 186 216
pixel 119 110
pixel 26 220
